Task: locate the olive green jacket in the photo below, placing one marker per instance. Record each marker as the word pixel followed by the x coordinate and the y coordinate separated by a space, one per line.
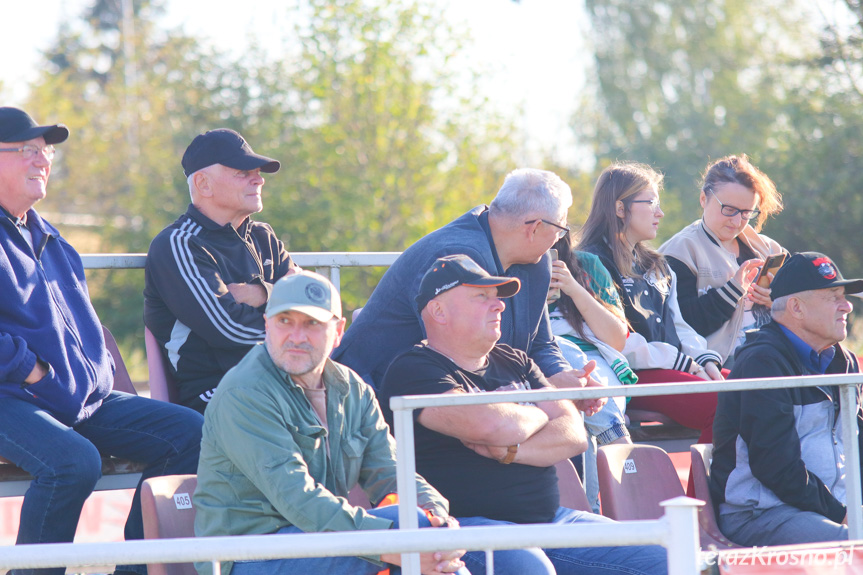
pixel 264 461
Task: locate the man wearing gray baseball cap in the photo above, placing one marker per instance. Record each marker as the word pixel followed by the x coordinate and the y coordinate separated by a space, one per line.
pixel 289 432
pixel 209 274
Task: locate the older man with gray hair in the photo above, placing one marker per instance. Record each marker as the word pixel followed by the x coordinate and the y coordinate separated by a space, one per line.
pixel 778 470
pixel 209 274
pixel 511 238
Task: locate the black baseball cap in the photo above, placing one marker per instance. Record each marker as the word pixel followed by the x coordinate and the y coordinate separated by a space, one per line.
pixel 806 271
pixel 459 270
pixel 17 126
pixel 226 147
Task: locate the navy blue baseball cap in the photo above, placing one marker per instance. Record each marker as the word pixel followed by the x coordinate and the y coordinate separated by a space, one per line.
pixel 17 126
pixel 449 272
pixel 226 147
pixel 806 271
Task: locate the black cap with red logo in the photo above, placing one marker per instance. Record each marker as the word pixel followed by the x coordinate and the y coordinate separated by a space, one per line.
pixel 806 271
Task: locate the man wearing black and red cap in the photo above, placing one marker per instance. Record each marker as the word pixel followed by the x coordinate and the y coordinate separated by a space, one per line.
pixel 58 410
pixel 778 460
pixel 210 273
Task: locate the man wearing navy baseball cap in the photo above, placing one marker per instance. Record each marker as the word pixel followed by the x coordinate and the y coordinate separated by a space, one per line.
pixel 59 409
pixel 778 459
pixel 209 274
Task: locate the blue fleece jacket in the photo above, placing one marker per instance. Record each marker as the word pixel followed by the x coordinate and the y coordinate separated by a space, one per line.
pixel 45 314
pixel 390 323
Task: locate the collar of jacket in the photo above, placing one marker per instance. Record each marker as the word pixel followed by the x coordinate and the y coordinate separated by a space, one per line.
pixel 208 224
pixel 39 228
pixel 334 379
pixel 743 236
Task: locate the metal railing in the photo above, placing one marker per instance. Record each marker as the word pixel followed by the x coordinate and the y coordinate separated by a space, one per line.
pixel 404 406
pixel 326 263
pixel 677 530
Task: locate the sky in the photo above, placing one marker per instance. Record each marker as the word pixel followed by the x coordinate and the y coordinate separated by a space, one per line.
pixel 533 50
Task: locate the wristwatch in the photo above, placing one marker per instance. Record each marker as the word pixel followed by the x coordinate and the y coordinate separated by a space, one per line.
pixel 510 454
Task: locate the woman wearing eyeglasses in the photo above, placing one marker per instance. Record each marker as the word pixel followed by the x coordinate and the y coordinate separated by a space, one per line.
pixel 717 258
pixel 661 348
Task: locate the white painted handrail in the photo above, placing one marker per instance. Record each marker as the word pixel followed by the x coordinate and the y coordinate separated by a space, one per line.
pixel 403 407
pixel 252 547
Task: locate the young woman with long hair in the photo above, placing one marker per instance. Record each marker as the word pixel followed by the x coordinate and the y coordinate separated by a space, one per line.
pixel 661 348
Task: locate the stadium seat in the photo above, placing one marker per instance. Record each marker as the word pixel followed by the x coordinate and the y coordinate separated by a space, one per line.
pixel 166 505
pixel 122 381
pixel 634 479
pixel 572 493
pixel 162 384
pixel 702 454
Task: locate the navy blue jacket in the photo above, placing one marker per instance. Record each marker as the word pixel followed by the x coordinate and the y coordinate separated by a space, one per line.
pixel 780 446
pixel 390 323
pixel 45 313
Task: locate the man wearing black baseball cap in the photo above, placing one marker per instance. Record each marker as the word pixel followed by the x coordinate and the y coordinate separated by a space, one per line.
pixel 495 463
pixel 778 459
pixel 209 274
pixel 58 408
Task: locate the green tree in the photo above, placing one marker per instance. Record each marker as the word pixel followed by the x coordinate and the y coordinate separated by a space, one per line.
pixel 383 139
pixel 369 108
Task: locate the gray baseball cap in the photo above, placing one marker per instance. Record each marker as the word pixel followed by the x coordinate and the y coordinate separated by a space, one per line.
pixel 308 293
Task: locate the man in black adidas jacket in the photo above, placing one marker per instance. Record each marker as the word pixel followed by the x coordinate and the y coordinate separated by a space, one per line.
pixel 778 471
pixel 210 273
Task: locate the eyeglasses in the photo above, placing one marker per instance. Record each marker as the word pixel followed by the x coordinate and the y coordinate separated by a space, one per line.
pixel 654 203
pixel 30 151
pixel 563 229
pixel 731 211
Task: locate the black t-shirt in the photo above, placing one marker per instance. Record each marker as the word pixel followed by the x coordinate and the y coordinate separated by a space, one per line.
pixel 475 485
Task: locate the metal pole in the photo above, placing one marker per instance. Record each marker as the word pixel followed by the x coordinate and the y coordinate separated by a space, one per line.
pixel 850 439
pixel 336 277
pixel 682 546
pixel 406 481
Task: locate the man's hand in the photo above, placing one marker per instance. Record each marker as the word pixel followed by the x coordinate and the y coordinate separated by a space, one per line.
pixel 439 561
pixel 38 372
pixel 574 378
pixel 578 378
pixel 495 452
pixel 250 294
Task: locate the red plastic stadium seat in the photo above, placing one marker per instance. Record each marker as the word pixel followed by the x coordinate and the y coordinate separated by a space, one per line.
pixel 634 479
pixel 572 493
pixel 162 384
pixel 166 505
pixel 701 454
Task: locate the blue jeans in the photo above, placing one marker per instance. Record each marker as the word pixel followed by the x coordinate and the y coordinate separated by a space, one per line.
pixel 66 461
pixel 634 560
pixel 328 565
